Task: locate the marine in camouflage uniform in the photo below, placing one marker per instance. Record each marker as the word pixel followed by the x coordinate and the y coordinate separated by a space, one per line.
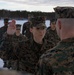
pixel 51 34
pixel 15 44
pixel 15 39
pixel 4 28
pixel 28 52
pixel 2 31
pixel 60 60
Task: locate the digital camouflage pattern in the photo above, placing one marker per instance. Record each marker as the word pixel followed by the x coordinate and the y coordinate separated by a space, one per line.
pixel 51 35
pixel 15 44
pixel 2 31
pixel 12 43
pixel 64 12
pixel 59 60
pixel 19 38
pixel 27 53
pixel 30 54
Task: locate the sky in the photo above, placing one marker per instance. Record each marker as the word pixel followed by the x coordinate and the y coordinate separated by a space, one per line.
pixel 34 5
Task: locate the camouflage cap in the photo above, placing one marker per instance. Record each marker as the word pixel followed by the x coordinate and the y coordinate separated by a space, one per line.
pixel 18 27
pixel 64 12
pixel 38 22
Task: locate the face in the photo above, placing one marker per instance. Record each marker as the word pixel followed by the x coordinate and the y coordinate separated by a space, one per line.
pixel 6 23
pixel 53 25
pixel 17 31
pixel 38 33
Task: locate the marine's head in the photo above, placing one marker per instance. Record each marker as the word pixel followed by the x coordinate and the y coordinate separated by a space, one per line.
pixel 6 21
pixel 65 21
pixel 38 27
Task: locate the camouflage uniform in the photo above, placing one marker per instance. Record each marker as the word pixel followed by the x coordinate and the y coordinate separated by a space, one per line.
pixel 13 43
pixel 27 53
pixel 51 35
pixel 60 59
pixel 19 38
pixel 2 31
pixel 31 51
pixel 4 28
pixel 26 30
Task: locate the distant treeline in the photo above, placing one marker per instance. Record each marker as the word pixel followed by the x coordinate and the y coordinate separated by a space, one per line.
pixel 24 14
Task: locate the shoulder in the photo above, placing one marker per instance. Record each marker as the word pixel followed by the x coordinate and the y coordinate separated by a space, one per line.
pixel 51 54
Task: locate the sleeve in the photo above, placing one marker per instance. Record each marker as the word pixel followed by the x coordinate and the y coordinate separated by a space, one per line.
pixel 44 68
pixel 6 47
pixel 22 48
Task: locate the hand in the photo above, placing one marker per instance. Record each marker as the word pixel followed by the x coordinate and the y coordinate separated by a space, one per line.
pixel 11 28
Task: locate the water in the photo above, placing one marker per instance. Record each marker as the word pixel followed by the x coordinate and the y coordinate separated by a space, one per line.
pixel 23 21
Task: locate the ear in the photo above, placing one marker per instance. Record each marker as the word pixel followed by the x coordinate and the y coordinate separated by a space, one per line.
pixel 31 30
pixel 59 24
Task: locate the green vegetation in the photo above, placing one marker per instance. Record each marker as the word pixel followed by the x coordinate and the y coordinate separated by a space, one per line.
pixel 23 14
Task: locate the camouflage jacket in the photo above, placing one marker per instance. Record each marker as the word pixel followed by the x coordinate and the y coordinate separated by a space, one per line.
pixel 51 35
pixel 30 53
pixel 19 38
pixel 2 31
pixel 10 43
pixel 59 60
pixel 27 53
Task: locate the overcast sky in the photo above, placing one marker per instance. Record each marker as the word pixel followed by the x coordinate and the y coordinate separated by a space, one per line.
pixel 34 5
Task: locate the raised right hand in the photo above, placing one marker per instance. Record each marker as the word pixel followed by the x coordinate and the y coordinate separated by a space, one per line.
pixel 11 28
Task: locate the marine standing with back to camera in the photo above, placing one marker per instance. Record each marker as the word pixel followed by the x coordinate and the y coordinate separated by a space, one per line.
pixel 60 60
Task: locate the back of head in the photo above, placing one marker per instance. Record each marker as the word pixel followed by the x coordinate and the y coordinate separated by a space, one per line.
pixel 65 19
pixel 64 12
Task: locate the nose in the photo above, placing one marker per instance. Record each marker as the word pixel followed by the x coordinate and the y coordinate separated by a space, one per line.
pixel 41 31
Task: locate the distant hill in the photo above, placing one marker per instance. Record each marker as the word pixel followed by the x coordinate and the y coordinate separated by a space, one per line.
pixel 23 14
